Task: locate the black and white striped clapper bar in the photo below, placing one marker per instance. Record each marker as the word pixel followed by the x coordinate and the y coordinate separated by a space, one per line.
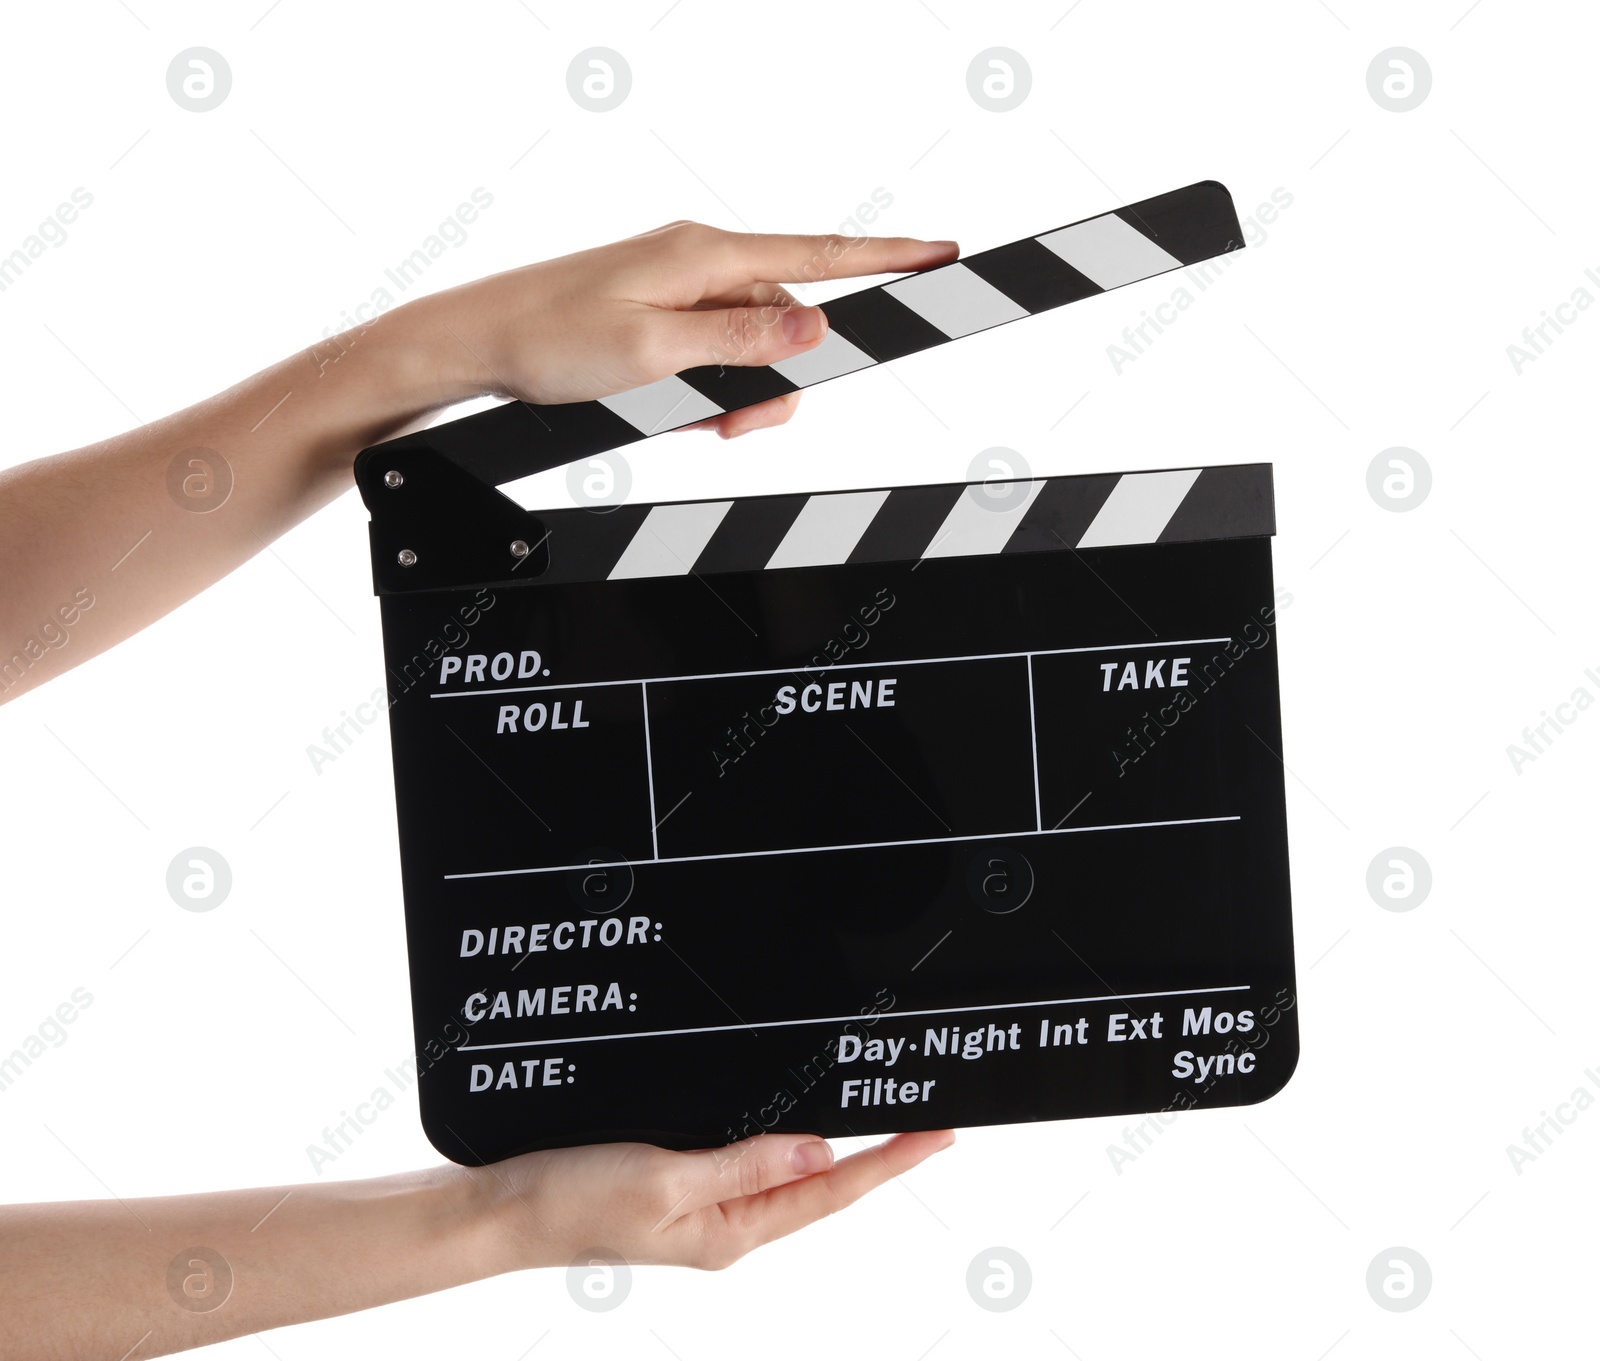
pixel 852 812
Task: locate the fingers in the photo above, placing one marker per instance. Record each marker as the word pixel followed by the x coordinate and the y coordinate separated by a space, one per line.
pixel 743 335
pixel 764 299
pixel 751 1167
pixel 804 259
pixel 784 1209
pixel 759 293
pixel 746 335
pixel 762 302
pixel 774 411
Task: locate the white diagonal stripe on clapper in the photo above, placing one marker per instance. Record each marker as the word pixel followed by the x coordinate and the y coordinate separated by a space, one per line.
pixel 827 528
pixel 832 357
pixel 955 300
pixel 1139 507
pixel 669 540
pixel 664 404
pixel 1109 251
pixel 973 527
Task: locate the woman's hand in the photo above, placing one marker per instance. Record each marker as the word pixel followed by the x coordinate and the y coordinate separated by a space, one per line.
pixel 619 316
pixel 173 1272
pixel 703 1209
pixel 283 442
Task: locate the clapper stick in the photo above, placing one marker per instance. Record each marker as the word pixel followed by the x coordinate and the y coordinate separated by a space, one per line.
pixel 509 444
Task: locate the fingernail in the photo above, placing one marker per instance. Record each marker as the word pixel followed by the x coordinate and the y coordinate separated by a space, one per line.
pixel 802 325
pixel 815 1156
pixel 945 245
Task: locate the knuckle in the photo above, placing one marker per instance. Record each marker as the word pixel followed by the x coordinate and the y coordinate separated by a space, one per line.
pixel 678 244
pixel 639 349
pixel 750 1175
pixel 668 230
pixel 665 1189
pixel 742 332
pixel 689 236
pixel 718 1252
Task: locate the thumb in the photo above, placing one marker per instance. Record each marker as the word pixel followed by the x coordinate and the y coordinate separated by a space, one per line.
pixel 744 335
pixel 752 1166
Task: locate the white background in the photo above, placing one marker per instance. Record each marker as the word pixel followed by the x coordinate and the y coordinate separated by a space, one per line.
pixel 1375 311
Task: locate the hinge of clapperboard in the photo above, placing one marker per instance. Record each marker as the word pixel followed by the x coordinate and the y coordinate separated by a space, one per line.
pixel 442 517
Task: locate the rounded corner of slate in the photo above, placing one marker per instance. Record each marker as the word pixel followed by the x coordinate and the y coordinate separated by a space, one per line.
pixel 1283 1079
pixel 446 1143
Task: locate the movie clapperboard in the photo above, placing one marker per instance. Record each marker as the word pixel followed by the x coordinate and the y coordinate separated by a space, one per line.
pixel 848 813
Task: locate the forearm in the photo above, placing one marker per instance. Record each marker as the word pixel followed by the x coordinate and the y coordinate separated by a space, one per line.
pixel 97 543
pixel 97 1278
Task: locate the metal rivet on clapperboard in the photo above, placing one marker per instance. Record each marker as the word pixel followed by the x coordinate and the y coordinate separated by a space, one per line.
pixel 392 478
pixel 519 548
pixel 406 557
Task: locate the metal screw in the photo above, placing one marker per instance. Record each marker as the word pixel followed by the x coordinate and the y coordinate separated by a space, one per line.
pixel 407 558
pixel 392 478
pixel 519 548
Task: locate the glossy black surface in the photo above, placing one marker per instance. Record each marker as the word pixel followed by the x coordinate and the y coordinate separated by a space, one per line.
pixel 769 919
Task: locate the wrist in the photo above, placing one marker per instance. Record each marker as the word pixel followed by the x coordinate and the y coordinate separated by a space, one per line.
pixel 373 382
pixel 497 1215
pixel 433 355
pixel 467 1222
pixel 517 1225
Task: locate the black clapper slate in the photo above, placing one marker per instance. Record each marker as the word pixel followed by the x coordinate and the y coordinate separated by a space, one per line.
pixel 846 813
